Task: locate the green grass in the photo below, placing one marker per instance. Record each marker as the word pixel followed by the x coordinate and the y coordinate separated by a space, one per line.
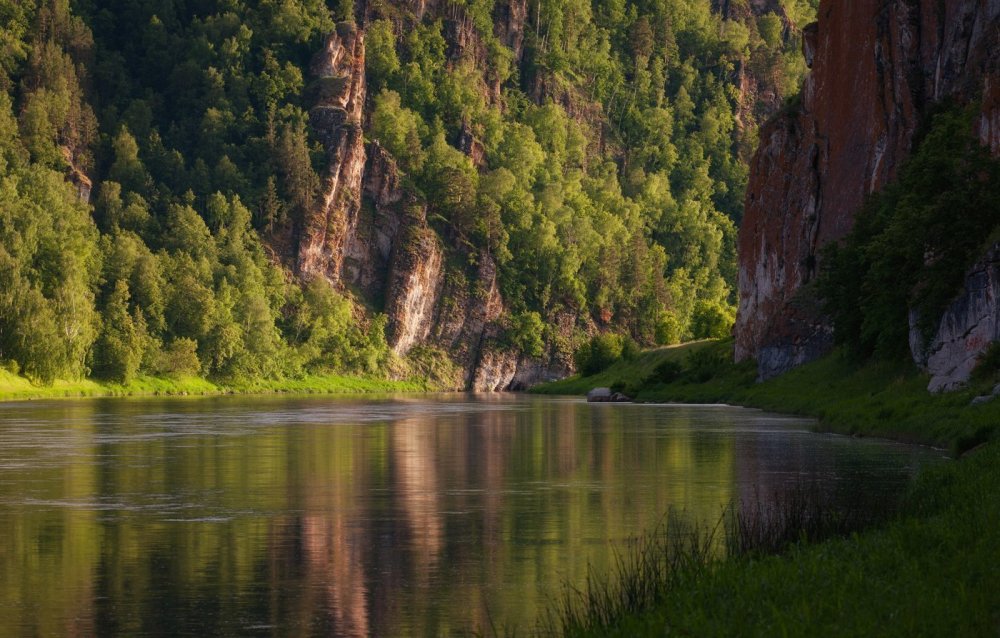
pixel 14 387
pixel 930 572
pixel 625 374
pixel 875 399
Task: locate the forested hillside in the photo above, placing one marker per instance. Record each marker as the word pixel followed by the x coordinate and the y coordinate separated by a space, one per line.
pixel 579 167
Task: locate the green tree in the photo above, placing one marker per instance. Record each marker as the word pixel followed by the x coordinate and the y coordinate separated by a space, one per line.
pixel 120 346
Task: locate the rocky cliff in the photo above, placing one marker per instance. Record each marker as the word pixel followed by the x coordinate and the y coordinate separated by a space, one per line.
pixel 969 325
pixel 370 234
pixel 330 232
pixel 877 67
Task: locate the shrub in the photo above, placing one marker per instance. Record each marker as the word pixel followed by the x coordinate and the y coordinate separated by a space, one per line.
pixel 179 359
pixel 527 333
pixel 667 371
pixel 435 367
pixel 598 354
pixel 630 349
pixel 712 320
pixel 705 363
pixel 988 363
pixel 668 329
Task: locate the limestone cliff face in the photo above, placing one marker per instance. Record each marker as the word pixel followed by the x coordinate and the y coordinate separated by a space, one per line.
pixel 327 234
pixel 969 325
pixel 370 234
pixel 415 283
pixel 877 66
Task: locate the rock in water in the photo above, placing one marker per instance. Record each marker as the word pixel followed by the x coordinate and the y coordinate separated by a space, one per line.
pixel 599 395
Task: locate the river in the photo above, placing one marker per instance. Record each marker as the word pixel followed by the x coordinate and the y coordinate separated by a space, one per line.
pixel 387 516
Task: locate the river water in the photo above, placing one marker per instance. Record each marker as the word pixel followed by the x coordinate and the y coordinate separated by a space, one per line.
pixel 392 516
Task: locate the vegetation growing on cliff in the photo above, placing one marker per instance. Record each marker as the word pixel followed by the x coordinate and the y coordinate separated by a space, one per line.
pixel 609 187
pixel 911 247
pixel 613 168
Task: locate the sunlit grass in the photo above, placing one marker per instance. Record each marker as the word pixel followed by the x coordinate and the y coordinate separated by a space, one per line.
pixel 622 373
pixel 14 387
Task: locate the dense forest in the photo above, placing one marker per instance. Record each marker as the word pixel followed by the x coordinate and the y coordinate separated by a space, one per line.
pixel 154 153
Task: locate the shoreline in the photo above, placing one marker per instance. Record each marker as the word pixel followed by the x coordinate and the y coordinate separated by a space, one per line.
pixel 879 400
pixel 930 553
pixel 14 388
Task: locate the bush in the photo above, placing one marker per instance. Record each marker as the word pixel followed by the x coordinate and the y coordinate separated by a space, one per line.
pixel 179 359
pixel 667 371
pixel 988 364
pixel 435 367
pixel 712 320
pixel 705 363
pixel 598 354
pixel 630 349
pixel 668 329
pixel 527 333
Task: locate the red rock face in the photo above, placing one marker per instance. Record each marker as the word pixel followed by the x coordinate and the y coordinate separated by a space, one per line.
pixel 876 67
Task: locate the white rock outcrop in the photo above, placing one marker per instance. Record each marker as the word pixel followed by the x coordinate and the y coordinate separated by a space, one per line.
pixel 969 325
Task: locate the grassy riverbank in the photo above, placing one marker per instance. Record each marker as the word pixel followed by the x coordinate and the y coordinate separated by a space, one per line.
pixel 928 570
pixel 14 387
pixel 876 399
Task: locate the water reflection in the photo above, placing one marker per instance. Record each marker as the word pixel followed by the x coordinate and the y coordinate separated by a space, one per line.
pixel 276 516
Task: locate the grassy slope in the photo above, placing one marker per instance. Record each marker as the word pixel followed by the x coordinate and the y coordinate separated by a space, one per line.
pixel 622 373
pixel 932 571
pixel 875 400
pixel 14 387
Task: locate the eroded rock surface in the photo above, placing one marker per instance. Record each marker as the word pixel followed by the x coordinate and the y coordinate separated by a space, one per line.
pixel 969 325
pixel 339 69
pixel 370 234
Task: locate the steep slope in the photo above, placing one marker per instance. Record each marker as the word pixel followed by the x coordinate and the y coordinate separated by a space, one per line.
pixel 878 67
pixel 274 189
pixel 369 233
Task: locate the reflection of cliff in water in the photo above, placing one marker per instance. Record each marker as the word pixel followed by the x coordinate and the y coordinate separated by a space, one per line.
pixel 352 518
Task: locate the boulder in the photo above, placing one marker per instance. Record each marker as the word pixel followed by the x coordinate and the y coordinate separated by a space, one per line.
pixel 606 395
pixel 599 395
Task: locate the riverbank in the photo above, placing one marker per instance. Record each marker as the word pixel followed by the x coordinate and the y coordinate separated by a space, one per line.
pixel 928 570
pixel 877 399
pixel 17 388
pixel 931 571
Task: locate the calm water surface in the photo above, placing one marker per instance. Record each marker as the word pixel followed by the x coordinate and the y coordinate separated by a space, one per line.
pixel 355 517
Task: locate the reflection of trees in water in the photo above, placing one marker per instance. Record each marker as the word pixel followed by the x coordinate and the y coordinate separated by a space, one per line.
pixel 436 522
pixel 49 554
